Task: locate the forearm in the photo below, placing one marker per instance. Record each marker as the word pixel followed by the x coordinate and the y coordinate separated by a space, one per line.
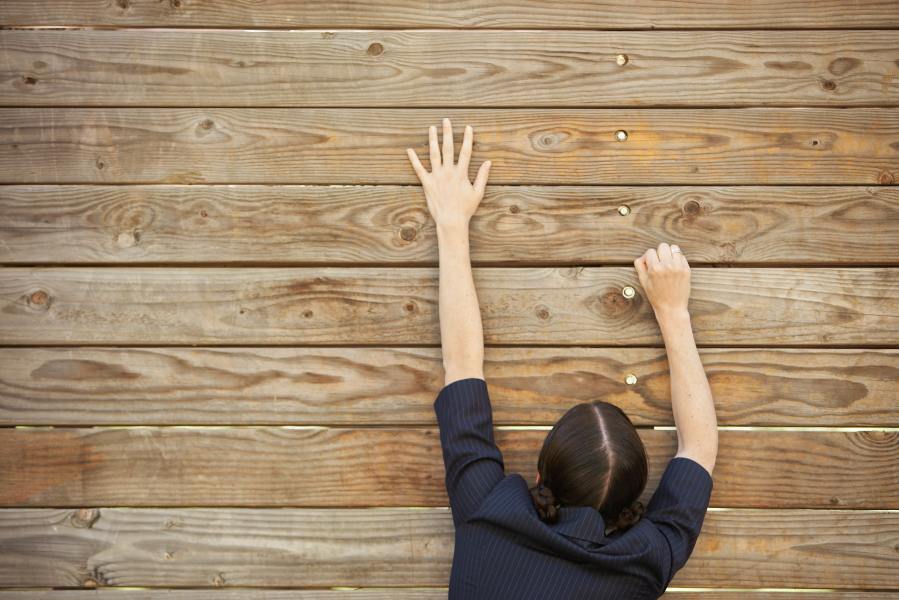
pixel 461 331
pixel 691 396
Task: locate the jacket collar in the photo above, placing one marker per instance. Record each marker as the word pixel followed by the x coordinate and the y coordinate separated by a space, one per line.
pixel 582 522
pixel 509 505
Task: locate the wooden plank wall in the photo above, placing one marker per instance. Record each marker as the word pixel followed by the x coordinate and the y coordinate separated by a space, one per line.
pixel 219 337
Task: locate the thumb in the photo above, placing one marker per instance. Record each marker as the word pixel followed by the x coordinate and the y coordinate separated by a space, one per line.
pixel 480 181
pixel 640 266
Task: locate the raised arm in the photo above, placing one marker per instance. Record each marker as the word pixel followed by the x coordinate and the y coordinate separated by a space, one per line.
pixel 452 201
pixel 665 276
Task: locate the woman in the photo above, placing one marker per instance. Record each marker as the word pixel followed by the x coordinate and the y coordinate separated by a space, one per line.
pixel 580 532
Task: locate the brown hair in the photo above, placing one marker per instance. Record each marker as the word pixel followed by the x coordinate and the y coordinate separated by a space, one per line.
pixel 592 457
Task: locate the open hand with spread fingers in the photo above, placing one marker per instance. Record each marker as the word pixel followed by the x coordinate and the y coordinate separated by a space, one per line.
pixel 452 198
pixel 665 276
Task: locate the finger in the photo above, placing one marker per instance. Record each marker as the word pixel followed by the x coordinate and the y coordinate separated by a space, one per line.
pixel 651 258
pixel 480 182
pixel 435 148
pixel 679 255
pixel 448 149
pixel 416 164
pixel 640 264
pixel 664 252
pixel 465 152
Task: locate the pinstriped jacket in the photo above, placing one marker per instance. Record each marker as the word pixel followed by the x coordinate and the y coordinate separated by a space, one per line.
pixel 502 548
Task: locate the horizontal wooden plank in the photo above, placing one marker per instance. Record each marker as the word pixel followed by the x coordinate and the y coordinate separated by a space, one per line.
pixel 291 224
pixel 576 14
pixel 331 305
pixel 387 593
pixel 397 386
pixel 447 68
pixel 331 146
pixel 309 547
pixel 266 466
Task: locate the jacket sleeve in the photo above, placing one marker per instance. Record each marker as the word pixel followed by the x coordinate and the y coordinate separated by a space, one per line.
pixel 677 510
pixel 474 464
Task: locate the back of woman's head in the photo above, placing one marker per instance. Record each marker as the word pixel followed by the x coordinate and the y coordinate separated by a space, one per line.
pixel 592 457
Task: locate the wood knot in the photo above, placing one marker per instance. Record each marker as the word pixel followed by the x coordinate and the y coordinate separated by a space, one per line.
pixel 100 164
pixel 842 65
pixel 692 208
pixel 219 579
pixel 203 213
pixel 612 303
pixel 123 4
pixel 375 49
pixel 207 124
pixel 176 3
pixel 126 239
pixel 514 209
pixel 542 313
pixel 39 65
pixel 308 314
pixel 84 518
pixel 409 307
pixel 885 178
pixel 29 80
pixel 408 233
pixel 834 500
pixel 549 140
pixel 39 298
pixel 828 85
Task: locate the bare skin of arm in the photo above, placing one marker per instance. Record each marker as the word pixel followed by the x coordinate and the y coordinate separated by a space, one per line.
pixel 452 201
pixel 665 276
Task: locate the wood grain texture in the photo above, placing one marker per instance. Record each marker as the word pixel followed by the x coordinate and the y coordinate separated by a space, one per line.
pixel 543 306
pixel 291 224
pixel 513 14
pixel 266 466
pixel 447 68
pixel 347 146
pixel 221 548
pixel 387 593
pixel 397 386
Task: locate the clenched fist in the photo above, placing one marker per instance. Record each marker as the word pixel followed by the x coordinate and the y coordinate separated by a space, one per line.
pixel 665 276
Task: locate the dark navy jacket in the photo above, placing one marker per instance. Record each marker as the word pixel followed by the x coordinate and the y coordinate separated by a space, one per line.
pixel 503 549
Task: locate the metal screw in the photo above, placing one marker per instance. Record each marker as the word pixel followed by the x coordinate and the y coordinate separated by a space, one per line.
pixel 624 210
pixel 621 59
pixel 628 292
pixel 631 379
pixel 621 135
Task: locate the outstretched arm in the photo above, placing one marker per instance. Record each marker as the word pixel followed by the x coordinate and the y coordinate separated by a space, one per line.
pixel 665 276
pixel 452 201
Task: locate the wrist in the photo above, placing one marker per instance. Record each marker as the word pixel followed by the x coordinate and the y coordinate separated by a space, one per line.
pixel 672 318
pixel 452 231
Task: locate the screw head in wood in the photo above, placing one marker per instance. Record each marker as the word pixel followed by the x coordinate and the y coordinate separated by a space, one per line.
pixel 621 135
pixel 631 379
pixel 621 59
pixel 628 292
pixel 624 210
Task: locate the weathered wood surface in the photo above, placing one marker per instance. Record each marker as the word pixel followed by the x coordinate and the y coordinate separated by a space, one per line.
pixel 540 305
pixel 510 14
pixel 384 386
pixel 447 68
pixel 387 593
pixel 283 466
pixel 343 146
pixel 318 547
pixel 289 224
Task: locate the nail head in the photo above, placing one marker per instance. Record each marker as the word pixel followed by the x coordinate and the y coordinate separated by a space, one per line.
pixel 624 210
pixel 628 292
pixel 621 135
pixel 621 59
pixel 631 379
